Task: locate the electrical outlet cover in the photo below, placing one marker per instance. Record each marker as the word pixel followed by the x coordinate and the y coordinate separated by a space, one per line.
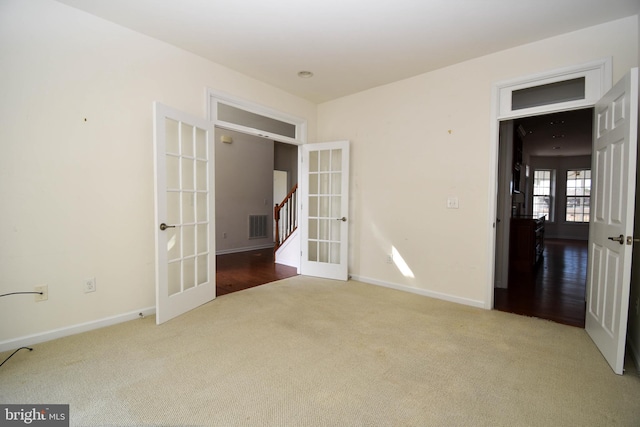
pixel 90 285
pixel 45 293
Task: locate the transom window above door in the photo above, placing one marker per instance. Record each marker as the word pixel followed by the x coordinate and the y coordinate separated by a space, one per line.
pixel 243 116
pixel 558 90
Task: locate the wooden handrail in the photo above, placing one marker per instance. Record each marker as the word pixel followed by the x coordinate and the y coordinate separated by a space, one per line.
pixel 289 221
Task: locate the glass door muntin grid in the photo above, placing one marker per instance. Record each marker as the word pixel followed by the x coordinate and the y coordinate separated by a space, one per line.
pixel 325 206
pixel 187 194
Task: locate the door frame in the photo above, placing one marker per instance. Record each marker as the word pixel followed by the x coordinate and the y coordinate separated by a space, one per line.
pixel 599 79
pixel 213 97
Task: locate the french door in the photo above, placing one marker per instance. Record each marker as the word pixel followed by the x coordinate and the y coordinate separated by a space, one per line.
pixel 612 212
pixel 324 212
pixel 184 220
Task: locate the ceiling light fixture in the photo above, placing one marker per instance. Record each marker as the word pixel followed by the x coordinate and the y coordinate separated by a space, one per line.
pixel 305 74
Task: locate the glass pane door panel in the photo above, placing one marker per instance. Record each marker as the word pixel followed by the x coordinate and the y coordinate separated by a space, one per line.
pixel 173 207
pixel 324 183
pixel 313 250
pixel 186 133
pixel 187 174
pixel 173 276
pixel 188 208
pixel 202 234
pixel 336 160
pixel 202 209
pixel 325 237
pixel 201 144
pixel 171 136
pixel 189 272
pixel 336 209
pixel 173 243
pixel 325 229
pixel 173 172
pixel 313 206
pixel 336 181
pixel 203 269
pixel 313 161
pixel 313 184
pixel 324 208
pixel 189 240
pixel 201 175
pixel 183 148
pixel 323 252
pixel 325 160
pixel 313 229
pixel 335 230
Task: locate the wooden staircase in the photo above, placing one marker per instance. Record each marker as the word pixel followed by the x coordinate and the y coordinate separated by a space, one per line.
pixel 285 216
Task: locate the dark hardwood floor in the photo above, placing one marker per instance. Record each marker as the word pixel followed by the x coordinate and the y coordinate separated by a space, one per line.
pixel 243 270
pixel 556 291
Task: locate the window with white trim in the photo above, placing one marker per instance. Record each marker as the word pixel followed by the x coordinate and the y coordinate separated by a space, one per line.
pixel 578 195
pixel 542 194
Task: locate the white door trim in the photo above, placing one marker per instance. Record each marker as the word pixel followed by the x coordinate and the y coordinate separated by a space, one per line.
pixel 499 113
pixel 215 96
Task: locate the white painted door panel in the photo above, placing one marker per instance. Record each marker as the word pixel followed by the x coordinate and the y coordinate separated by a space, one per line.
pixel 612 204
pixel 324 210
pixel 184 225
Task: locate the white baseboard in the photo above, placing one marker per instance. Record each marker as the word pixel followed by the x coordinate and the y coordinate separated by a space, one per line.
pixel 423 292
pixel 72 330
pixel 246 249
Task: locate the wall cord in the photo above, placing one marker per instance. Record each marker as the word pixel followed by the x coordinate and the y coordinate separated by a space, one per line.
pixel 28 348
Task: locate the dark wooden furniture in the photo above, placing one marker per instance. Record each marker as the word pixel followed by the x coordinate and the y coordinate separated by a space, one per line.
pixel 526 244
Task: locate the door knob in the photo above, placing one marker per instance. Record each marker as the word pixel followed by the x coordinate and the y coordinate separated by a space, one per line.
pixel 343 219
pixel 164 226
pixel 619 239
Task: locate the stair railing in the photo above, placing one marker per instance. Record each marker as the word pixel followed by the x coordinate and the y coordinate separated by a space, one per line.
pixel 285 217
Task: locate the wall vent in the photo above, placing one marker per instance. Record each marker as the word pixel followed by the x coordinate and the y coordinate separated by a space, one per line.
pixel 257 226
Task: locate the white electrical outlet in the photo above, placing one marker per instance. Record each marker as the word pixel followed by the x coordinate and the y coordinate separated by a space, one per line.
pixel 389 259
pixel 90 285
pixel 45 293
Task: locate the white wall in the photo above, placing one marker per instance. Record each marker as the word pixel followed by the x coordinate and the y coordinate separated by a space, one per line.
pixel 286 159
pixel 417 141
pixel 77 195
pixel 244 186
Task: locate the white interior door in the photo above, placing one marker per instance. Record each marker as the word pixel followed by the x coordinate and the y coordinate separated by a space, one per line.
pixel 324 210
pixel 185 244
pixel 612 204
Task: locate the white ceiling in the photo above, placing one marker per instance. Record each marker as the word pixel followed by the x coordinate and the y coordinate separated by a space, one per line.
pixel 350 45
pixel 559 134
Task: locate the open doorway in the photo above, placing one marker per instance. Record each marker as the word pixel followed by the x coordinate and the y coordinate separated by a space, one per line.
pixel 545 213
pixel 245 200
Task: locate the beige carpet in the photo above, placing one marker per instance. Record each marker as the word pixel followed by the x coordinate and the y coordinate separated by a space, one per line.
pixel 312 352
